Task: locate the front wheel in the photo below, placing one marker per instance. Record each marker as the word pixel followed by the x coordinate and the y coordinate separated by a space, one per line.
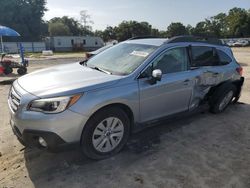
pixel 105 133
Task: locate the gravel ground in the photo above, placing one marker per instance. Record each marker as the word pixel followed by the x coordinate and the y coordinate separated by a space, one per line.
pixel 201 150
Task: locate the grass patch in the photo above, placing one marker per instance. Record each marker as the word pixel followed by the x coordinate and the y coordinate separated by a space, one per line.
pixel 35 55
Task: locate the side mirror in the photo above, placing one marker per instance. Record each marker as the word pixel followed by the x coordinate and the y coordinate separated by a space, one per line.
pixel 156 76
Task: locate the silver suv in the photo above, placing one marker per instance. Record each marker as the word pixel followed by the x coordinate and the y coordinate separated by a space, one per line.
pixel 100 102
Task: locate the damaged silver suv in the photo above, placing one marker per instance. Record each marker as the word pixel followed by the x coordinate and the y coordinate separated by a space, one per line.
pixel 100 102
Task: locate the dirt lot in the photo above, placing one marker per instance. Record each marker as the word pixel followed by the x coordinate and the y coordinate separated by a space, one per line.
pixel 203 150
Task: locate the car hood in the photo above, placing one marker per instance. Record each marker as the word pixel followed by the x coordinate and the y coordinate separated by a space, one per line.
pixel 65 80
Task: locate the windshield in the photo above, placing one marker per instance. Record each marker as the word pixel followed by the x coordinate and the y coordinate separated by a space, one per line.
pixel 121 59
pixel 102 49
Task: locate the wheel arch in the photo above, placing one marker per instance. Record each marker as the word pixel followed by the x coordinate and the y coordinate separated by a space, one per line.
pixel 212 90
pixel 122 106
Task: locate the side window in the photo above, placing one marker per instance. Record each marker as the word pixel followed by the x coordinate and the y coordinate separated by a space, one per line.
pixel 174 60
pixel 223 57
pixel 204 56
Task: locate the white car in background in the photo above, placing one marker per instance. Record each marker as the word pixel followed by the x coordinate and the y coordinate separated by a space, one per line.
pixel 242 43
pixel 238 43
pixel 230 43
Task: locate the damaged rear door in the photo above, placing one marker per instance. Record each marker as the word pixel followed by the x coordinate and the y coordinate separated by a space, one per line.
pixel 206 65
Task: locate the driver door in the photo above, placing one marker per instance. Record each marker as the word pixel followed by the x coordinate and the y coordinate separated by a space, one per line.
pixel 170 95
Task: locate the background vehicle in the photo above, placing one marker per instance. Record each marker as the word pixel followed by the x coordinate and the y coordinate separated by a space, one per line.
pixel 91 54
pixel 138 82
pixel 238 43
pixel 230 43
pixel 241 43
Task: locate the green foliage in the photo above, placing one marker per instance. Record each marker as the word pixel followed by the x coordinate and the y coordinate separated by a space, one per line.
pixel 238 22
pixel 69 26
pixel 176 29
pixel 129 29
pixel 59 29
pixel 25 16
pixel 234 24
pixel 108 34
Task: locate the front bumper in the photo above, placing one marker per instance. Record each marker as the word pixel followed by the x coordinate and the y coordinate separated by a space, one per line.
pixel 55 129
pixel 30 138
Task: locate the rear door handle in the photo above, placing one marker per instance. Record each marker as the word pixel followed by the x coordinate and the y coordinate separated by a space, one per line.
pixel 185 82
pixel 212 72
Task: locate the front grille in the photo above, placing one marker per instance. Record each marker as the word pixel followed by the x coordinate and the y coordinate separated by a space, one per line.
pixel 14 99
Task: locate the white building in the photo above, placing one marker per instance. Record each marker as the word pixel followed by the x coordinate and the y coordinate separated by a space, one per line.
pixel 73 43
pixel 14 47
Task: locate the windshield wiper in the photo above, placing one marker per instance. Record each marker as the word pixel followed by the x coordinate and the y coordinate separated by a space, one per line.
pixel 101 70
pixel 84 62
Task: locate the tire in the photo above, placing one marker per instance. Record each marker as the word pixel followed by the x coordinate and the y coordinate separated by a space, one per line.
pixel 97 139
pixel 8 70
pixel 22 70
pixel 222 98
pixel 236 99
pixel 237 95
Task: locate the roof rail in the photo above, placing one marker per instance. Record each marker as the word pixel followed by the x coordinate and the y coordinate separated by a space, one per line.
pixel 190 38
pixel 143 37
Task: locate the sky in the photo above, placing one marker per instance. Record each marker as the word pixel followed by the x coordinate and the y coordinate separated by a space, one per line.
pixel 159 13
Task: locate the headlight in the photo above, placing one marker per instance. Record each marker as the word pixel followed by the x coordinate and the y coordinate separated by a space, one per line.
pixel 53 105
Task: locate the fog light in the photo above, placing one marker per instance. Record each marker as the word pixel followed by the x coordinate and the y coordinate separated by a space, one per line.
pixel 42 142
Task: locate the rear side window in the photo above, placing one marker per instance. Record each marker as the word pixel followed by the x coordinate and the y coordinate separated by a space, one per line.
pixel 204 56
pixel 223 58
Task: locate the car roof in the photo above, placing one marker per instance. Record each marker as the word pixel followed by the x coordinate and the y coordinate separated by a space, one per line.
pixel 177 40
pixel 149 41
pixel 170 42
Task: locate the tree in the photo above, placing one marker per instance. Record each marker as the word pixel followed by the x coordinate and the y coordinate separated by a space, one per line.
pixel 128 29
pixel 73 25
pixel 220 25
pixel 86 21
pixel 59 29
pixel 209 28
pixel 189 29
pixel 176 29
pixel 199 29
pixel 155 32
pixel 238 22
pixel 25 16
pixel 234 24
pixel 108 34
